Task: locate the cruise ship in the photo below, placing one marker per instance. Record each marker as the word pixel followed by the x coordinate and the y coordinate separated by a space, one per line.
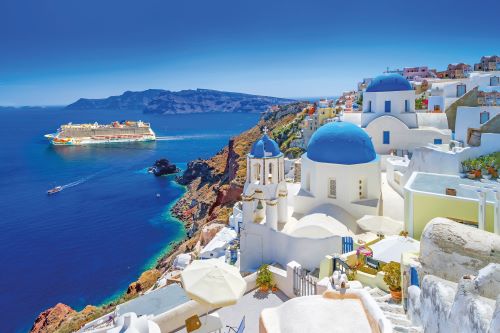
pixel 116 132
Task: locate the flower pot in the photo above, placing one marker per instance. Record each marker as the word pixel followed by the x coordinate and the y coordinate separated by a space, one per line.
pixel 471 175
pixel 396 295
pixel 274 289
pixel 264 289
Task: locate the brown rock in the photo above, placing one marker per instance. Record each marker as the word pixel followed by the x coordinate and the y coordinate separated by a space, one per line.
pixel 146 281
pixel 51 319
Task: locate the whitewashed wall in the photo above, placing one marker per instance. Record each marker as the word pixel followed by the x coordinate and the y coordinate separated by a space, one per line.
pixel 469 117
pixel 315 186
pixel 402 137
pixel 263 245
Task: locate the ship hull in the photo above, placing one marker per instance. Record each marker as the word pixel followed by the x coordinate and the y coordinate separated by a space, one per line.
pixel 91 134
pixel 92 141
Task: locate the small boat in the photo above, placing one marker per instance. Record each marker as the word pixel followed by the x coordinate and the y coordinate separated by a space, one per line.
pixel 157 195
pixel 54 190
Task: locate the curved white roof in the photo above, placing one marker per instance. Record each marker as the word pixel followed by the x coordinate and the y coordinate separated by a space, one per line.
pixel 318 225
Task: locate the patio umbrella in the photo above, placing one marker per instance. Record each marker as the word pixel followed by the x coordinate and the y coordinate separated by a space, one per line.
pixel 213 282
pixel 380 224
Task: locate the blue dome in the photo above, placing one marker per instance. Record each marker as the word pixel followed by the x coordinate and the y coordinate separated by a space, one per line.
pixel 341 143
pixel 389 82
pixel 265 147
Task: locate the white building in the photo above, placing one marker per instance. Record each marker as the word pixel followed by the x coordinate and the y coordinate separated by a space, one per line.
pixel 340 183
pixel 473 118
pixel 443 93
pixel 390 119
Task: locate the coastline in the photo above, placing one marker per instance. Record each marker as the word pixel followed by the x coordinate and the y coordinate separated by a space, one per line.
pixel 210 188
pixel 152 263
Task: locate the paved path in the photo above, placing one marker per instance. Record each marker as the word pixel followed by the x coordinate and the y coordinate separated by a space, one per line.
pixel 393 202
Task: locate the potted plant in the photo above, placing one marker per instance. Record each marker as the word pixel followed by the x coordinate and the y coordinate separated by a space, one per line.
pixel 392 278
pixel 264 278
pixel 274 288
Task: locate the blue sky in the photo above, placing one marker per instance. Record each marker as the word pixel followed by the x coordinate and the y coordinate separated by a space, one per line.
pixel 55 51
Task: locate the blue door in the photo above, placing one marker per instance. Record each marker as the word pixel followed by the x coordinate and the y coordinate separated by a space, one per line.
pixel 387 106
pixel 387 137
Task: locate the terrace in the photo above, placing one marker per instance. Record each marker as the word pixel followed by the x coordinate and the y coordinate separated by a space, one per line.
pixel 249 306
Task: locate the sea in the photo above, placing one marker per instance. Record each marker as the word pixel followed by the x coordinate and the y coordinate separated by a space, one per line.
pixel 85 244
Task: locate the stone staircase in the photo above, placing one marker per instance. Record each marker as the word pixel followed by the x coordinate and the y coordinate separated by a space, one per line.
pixel 394 312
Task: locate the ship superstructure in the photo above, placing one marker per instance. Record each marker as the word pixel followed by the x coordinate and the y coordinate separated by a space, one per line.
pixel 116 132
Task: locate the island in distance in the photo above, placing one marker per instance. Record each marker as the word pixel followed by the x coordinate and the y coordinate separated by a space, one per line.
pixel 178 102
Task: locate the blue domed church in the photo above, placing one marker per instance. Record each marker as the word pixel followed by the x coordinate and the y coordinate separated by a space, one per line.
pixel 390 118
pixel 340 183
pixel 342 169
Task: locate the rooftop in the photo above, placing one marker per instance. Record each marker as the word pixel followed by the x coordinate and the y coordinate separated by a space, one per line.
pixel 250 307
pixel 389 82
pixel 438 183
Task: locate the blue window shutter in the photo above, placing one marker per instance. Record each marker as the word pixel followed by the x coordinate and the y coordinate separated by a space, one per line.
pixel 387 137
pixel 438 141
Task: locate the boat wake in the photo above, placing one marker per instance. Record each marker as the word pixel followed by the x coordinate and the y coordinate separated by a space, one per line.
pixel 187 137
pixel 78 182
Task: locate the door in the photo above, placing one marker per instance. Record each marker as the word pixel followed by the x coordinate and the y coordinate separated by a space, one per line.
pixel 387 106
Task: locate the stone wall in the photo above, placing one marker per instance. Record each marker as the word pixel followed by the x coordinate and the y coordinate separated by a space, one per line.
pixel 450 250
pixel 444 306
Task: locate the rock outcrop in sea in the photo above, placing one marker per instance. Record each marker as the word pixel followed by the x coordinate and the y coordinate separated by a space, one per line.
pixel 163 167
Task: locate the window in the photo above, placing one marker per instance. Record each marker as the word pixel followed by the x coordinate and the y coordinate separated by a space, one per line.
pixel 332 188
pixel 494 81
pixel 387 106
pixel 370 106
pixel 257 171
pixel 461 90
pixel 438 141
pixel 387 137
pixel 362 189
pixel 484 117
pixel 407 105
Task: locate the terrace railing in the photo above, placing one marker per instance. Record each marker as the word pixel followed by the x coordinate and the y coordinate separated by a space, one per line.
pixel 341 266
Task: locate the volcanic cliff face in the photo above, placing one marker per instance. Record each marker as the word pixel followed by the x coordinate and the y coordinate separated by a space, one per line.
pixel 129 100
pixel 50 320
pixel 184 101
pixel 205 100
pixel 214 185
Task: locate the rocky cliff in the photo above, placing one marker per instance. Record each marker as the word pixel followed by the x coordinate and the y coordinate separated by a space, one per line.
pixel 184 101
pixel 129 100
pixel 204 100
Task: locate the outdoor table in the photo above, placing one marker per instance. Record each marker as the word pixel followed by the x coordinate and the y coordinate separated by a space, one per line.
pixel 210 323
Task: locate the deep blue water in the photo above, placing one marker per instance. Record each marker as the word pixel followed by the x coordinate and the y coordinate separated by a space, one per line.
pixel 85 244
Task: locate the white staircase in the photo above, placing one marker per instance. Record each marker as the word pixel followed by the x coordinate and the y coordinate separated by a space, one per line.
pixel 393 312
